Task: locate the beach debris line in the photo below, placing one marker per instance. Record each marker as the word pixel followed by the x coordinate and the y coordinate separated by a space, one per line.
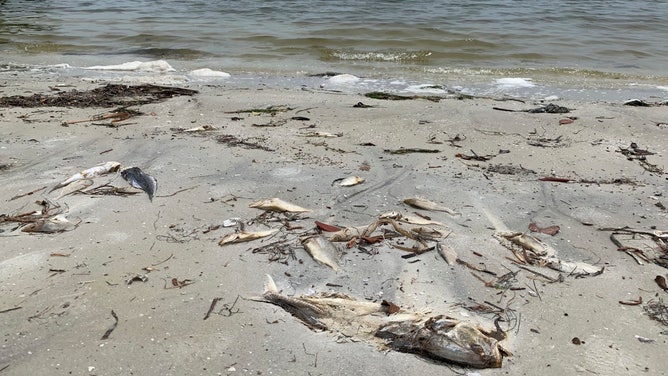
pixel 403 150
pixel 387 326
pixel 90 173
pixel 138 179
pixel 547 109
pixel 116 116
pixel 395 97
pixel 109 95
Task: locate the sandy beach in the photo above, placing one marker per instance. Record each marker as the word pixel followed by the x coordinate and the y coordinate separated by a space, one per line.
pixel 158 266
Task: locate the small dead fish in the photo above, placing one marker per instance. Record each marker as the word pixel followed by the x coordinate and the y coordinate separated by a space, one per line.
pixel 51 225
pixel 447 252
pixel 90 173
pixel 527 242
pixel 322 251
pixel 349 181
pixel 424 204
pixel 202 128
pixel 138 179
pixel 277 205
pixel 245 236
pixel 434 337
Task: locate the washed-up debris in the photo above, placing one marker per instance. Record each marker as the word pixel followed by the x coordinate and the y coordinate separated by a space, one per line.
pixel 475 157
pixel 545 142
pixel 138 179
pixel 272 123
pixel 106 96
pixel 50 219
pixel 447 252
pixel 549 230
pixel 136 278
pixel 248 143
pixel 634 153
pixel 403 150
pixel 92 172
pixel 271 110
pixel 322 251
pixel 642 103
pixel 395 97
pixel 116 116
pixel 547 109
pixel 51 225
pixel 321 134
pixel 194 130
pixel 657 310
pixel 437 337
pixel 362 105
pixel 277 205
pixel 349 181
pixel 509 169
pixel 633 240
pixel 245 236
pixel 112 327
pixel 425 204
pixel 661 281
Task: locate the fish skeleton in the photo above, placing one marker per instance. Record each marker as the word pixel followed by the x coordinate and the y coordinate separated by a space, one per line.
pixel 92 172
pixel 422 203
pixel 322 251
pixel 277 205
pixel 435 337
pixel 138 179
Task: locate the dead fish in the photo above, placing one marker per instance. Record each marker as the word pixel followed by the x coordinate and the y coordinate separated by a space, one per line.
pixel 51 225
pixel 435 337
pixel 322 251
pixel 444 339
pixel 90 173
pixel 202 128
pixel 526 241
pixel 447 252
pixel 349 181
pixel 277 205
pixel 138 179
pixel 421 203
pixel 572 268
pixel 411 219
pixel 245 236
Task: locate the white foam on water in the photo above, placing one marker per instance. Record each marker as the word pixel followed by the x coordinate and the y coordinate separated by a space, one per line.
pixel 158 66
pixel 665 88
pixel 343 79
pixel 514 82
pixel 209 73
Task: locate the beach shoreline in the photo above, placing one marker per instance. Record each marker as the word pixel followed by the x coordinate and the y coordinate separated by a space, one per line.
pixel 215 152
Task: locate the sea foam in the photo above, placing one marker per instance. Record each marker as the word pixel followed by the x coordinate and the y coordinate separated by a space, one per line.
pixel 158 66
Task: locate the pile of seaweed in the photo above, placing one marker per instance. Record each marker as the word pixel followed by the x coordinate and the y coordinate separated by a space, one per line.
pixel 111 95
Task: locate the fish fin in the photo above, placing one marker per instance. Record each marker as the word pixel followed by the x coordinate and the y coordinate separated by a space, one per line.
pixel 270 286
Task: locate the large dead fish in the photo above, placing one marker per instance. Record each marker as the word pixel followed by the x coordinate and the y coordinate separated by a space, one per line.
pixel 322 251
pixel 435 337
pixel 422 203
pixel 90 173
pixel 138 179
pixel 277 205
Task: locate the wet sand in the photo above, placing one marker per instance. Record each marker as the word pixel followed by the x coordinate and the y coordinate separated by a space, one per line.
pixel 58 290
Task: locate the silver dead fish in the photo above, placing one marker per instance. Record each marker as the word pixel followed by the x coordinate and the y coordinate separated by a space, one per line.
pixel 138 179
pixel 245 236
pixel 435 337
pixel 349 181
pixel 90 173
pixel 322 251
pixel 277 205
pixel 422 203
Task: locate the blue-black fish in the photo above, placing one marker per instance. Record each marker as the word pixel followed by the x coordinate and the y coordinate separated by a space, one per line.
pixel 138 179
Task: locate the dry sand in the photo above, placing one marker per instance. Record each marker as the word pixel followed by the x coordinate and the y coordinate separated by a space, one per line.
pixel 63 304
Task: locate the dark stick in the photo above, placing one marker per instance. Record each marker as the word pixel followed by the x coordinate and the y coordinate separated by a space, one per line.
pixel 113 326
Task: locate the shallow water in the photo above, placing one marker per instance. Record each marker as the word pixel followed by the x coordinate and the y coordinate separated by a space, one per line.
pixel 567 45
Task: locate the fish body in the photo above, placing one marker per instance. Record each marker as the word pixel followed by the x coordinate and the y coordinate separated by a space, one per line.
pixel 350 181
pixel 138 179
pixel 322 251
pixel 434 337
pixel 90 173
pixel 277 205
pixel 245 236
pixel 444 339
pixel 425 204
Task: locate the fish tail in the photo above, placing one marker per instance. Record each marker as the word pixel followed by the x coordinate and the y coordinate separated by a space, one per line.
pixel 270 286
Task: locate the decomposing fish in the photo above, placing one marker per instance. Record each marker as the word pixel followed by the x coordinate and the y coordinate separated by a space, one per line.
pixel 436 337
pixel 349 181
pixel 57 223
pixel 245 236
pixel 92 172
pixel 322 251
pixel 277 205
pixel 138 179
pixel 447 252
pixel 422 203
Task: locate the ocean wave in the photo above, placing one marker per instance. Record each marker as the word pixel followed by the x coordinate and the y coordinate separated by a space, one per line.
pixel 378 56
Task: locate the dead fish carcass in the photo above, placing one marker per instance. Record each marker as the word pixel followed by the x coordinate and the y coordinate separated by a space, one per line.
pixel 90 173
pixel 245 236
pixel 322 251
pixel 425 204
pixel 277 205
pixel 138 179
pixel 435 337
pixel 349 181
pixel 445 339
